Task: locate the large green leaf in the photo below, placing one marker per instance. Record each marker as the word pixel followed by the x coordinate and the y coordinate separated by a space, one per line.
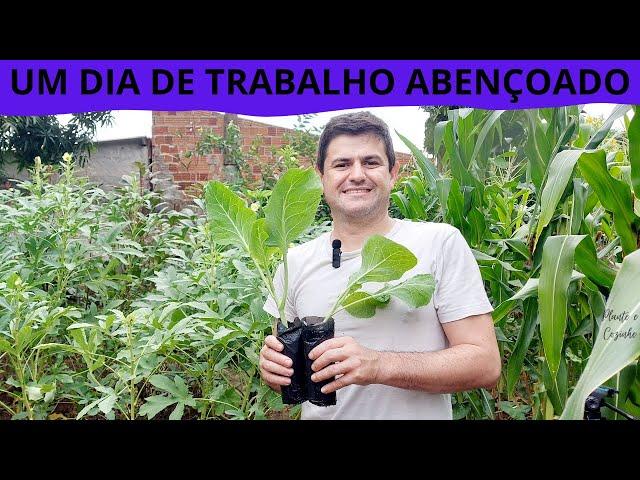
pixel 580 191
pixel 258 243
pixel 383 260
pixel 483 257
pixel 438 135
pixel 556 385
pixel 557 179
pixel 455 206
pixel 614 195
pixel 155 404
pixel 361 304
pixel 292 206
pixel 443 187
pixel 427 168
pixel 555 276
pixel 529 289
pixel 459 171
pixel 525 335
pixel 633 133
pixel 488 125
pixel 537 149
pixel 601 133
pixel 618 341
pixel 415 292
pixel 595 269
pixel 231 220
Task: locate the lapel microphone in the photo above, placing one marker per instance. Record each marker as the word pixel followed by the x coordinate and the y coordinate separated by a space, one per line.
pixel 336 244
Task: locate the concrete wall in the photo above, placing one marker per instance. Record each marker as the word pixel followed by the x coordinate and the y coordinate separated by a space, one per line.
pixel 109 161
pixel 114 158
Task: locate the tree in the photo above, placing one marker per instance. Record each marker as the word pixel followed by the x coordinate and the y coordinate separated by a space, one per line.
pixel 24 138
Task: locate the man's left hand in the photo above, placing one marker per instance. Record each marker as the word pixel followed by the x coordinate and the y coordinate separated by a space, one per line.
pixel 346 357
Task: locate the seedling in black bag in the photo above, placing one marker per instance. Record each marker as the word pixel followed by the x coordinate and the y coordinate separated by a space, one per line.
pixel 290 211
pixel 383 261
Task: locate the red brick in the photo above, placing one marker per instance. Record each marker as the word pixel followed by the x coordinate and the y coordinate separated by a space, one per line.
pixel 182 177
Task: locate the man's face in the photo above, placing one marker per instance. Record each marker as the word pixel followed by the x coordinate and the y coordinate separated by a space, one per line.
pixel 356 178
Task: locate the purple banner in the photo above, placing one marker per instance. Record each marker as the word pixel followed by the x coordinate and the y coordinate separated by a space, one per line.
pixel 287 87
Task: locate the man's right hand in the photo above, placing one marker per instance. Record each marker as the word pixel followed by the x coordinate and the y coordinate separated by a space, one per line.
pixel 275 368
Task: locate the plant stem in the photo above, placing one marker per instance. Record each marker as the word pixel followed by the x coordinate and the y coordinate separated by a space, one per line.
pixel 132 385
pixel 247 390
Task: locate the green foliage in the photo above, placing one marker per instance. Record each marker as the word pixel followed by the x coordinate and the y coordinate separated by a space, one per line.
pixel 383 260
pixel 112 306
pixel 22 139
pixel 550 211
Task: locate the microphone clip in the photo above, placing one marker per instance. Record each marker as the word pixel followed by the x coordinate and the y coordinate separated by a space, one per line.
pixel 336 244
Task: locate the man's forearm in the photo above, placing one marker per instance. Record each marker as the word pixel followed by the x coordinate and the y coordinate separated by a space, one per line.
pixel 457 368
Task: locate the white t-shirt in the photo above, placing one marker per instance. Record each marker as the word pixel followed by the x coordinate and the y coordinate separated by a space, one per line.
pixel 314 286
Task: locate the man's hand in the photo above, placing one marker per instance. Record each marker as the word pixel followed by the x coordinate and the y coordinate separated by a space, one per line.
pixel 275 368
pixel 356 364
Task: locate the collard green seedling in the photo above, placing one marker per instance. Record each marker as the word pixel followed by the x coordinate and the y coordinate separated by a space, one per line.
pixel 289 212
pixel 383 261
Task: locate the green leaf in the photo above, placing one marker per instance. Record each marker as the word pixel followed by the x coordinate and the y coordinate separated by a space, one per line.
pixel 231 220
pixel 362 304
pixel 177 412
pixel 443 187
pixel 34 392
pixel 530 289
pixel 595 269
pixel 519 246
pixel 488 125
pixel 537 148
pixel 455 206
pixel 438 135
pixel 556 385
pixel 483 257
pixel 415 291
pixel 427 168
pixel 555 276
pixel 292 206
pixel 599 136
pixel 155 404
pixel 517 412
pixel 557 179
pixel 383 260
pixel 177 388
pixel 633 132
pixel 580 192
pixel 618 342
pixel 458 169
pixel 614 195
pixel 107 404
pixel 258 242
pixel 525 335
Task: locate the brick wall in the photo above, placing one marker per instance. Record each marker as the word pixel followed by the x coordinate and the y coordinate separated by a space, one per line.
pixel 176 133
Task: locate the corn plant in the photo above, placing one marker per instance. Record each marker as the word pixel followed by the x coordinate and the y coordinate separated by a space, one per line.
pixel 549 220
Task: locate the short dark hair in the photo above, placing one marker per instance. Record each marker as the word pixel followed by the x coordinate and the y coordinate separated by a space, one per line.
pixel 359 123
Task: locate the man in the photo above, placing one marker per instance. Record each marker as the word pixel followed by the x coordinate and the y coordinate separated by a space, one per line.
pixel 403 363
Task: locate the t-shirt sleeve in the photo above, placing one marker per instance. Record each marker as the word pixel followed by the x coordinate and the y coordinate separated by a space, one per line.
pixel 459 289
pixel 270 306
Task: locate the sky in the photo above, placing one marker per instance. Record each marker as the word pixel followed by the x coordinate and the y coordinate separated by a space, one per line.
pixel 409 121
